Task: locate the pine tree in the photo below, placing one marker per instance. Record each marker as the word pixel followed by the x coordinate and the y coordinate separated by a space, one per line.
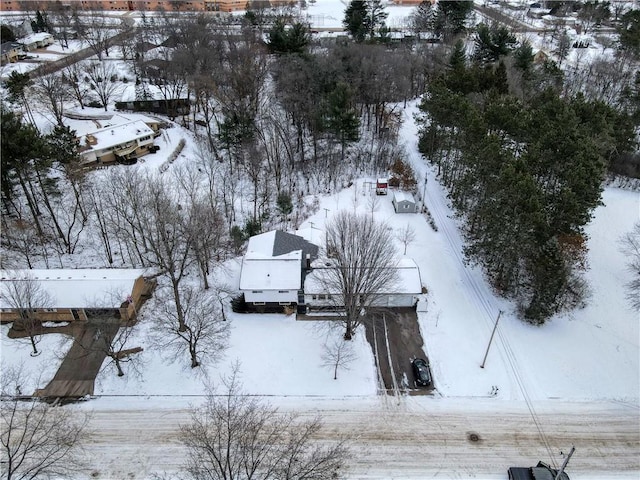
pixel 363 18
pixel 355 18
pixel 341 118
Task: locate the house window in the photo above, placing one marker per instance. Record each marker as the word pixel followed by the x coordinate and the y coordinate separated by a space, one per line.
pixel 283 291
pixel 322 296
pixel 328 296
pixel 256 291
pixel 314 297
pixel 50 310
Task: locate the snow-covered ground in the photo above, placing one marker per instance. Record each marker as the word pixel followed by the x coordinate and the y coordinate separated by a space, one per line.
pixel 587 358
pixel 587 354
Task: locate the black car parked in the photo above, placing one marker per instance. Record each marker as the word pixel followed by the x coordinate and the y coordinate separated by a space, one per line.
pixel 421 372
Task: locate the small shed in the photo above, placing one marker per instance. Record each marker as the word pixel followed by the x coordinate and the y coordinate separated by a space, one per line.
pixel 404 202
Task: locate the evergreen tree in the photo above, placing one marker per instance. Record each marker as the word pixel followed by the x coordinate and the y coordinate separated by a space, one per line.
pixel 423 17
pixel 523 56
pixel 355 19
pixel 458 58
pixel 525 175
pixel 629 31
pixel 493 43
pixel 288 38
pixel 451 18
pixel 363 18
pixel 6 34
pixel 341 118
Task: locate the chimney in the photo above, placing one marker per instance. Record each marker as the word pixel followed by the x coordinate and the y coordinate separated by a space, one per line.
pixel 308 260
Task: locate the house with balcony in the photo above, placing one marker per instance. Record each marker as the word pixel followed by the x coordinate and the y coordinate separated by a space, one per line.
pixel 122 143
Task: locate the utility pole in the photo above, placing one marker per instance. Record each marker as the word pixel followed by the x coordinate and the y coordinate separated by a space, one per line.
pixel 564 464
pixel 424 192
pixel 495 327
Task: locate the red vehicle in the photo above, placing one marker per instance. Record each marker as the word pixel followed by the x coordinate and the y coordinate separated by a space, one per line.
pixel 382 184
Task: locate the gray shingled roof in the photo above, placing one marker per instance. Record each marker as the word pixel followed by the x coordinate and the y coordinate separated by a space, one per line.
pixel 286 242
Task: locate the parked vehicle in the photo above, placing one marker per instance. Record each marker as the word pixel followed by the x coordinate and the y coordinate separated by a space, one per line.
pixel 421 372
pixel 542 471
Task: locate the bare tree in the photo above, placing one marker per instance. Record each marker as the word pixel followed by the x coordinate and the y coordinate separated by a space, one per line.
pixel 631 247
pixel 26 295
pixel 362 260
pixel 97 33
pixel 338 354
pixel 407 236
pixel 103 81
pixel 203 220
pixel 235 436
pixel 206 333
pixel 38 440
pixel 53 93
pixel 73 76
pixel 147 214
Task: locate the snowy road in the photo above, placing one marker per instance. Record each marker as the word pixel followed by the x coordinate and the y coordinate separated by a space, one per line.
pixel 417 438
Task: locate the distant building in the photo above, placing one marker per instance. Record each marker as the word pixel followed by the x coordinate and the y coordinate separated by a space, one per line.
pixel 36 40
pixel 153 5
pixel 152 99
pixel 139 5
pixel 11 52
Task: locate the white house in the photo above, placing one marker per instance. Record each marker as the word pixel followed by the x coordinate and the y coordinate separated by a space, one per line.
pixel 403 293
pixel 404 202
pixel 124 142
pixel 273 269
pixel 34 41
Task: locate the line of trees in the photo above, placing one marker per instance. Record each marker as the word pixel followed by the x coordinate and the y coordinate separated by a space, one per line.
pixel 524 166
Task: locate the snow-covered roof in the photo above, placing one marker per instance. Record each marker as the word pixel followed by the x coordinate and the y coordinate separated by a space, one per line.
pixel 83 125
pixel 403 197
pixel 262 244
pixel 35 37
pixel 276 243
pixel 118 134
pixel 264 272
pixel 132 93
pixel 274 261
pixel 78 288
pixel 408 281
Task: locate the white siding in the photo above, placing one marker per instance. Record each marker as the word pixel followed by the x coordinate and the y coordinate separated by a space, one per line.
pixel 271 296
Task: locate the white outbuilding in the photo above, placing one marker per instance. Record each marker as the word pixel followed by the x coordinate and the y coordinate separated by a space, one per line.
pixel 404 202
